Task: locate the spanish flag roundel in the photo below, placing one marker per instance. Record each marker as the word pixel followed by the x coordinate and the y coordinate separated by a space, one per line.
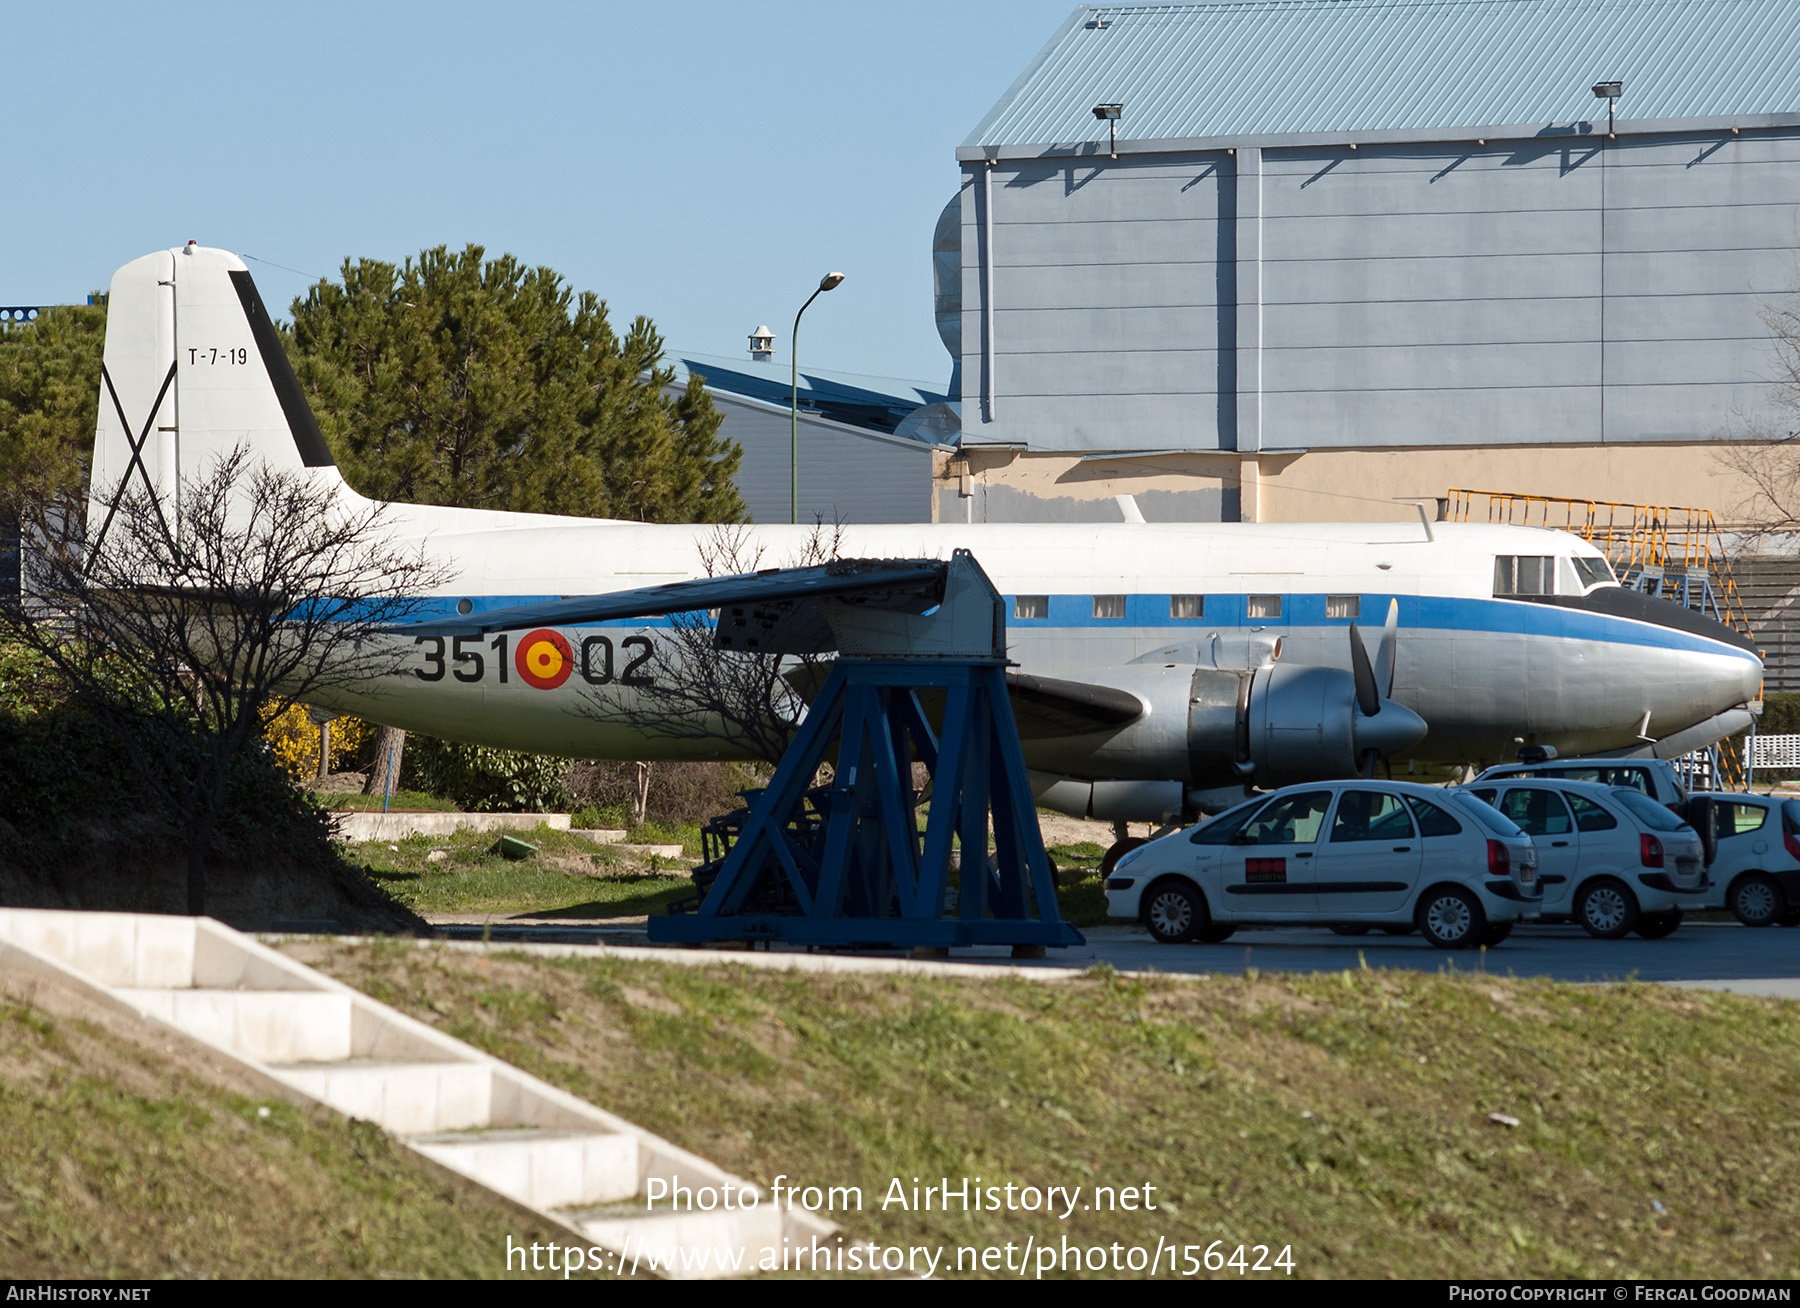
pixel 544 659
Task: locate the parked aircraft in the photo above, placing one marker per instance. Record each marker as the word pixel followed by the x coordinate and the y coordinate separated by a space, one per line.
pixel 1161 666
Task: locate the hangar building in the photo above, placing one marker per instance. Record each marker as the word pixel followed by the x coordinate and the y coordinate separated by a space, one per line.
pixel 865 455
pixel 1330 254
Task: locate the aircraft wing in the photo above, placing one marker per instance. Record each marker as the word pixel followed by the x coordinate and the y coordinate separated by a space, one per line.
pixel 900 585
pixel 1046 706
pixel 1042 706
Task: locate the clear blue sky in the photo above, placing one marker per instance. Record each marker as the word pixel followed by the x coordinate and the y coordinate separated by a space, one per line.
pixel 702 163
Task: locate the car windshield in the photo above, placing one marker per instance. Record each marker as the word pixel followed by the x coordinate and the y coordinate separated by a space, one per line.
pixel 1486 814
pixel 1219 830
pixel 1646 810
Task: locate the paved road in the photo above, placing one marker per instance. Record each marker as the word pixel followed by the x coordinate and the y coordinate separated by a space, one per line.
pixel 1765 961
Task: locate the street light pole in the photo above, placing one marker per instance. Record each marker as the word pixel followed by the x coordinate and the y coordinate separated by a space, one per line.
pixel 826 283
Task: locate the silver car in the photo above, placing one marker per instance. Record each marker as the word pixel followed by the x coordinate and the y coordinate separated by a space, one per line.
pixel 1336 853
pixel 1609 857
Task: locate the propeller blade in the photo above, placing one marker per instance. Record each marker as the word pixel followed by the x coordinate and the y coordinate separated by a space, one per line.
pixel 1365 763
pixel 1386 654
pixel 1368 697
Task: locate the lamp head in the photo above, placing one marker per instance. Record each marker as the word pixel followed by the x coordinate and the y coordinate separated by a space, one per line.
pixel 1608 90
pixel 1106 111
pixel 830 280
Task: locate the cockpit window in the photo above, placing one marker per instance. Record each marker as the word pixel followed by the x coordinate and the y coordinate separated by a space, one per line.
pixel 1524 574
pixel 1594 572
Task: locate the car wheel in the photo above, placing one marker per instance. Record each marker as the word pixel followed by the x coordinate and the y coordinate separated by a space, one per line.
pixel 1756 900
pixel 1495 933
pixel 1174 912
pixel 1214 933
pixel 1606 909
pixel 1654 926
pixel 1116 851
pixel 1451 918
pixel 1349 929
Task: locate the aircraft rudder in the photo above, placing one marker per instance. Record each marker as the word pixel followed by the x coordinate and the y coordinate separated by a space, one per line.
pixel 195 370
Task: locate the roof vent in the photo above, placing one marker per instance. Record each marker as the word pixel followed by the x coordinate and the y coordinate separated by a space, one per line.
pixel 762 345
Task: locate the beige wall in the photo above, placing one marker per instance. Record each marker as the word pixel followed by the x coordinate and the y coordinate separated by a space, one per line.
pixel 1354 485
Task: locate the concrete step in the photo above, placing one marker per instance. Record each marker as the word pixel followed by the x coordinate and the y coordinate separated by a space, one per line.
pixel 347 825
pixel 405 1098
pixel 652 851
pixel 270 1026
pixel 594 1174
pixel 689 1245
pixel 599 835
pixel 542 1169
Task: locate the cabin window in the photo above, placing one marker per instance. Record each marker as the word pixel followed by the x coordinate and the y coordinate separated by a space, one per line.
pixel 1187 606
pixel 1264 606
pixel 1109 606
pixel 1031 606
pixel 1594 572
pixel 1523 574
pixel 1343 606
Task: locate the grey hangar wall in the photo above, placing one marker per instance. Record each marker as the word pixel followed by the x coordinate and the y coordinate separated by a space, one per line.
pixel 1556 288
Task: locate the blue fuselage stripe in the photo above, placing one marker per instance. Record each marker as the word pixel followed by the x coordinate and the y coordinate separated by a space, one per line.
pixel 1231 611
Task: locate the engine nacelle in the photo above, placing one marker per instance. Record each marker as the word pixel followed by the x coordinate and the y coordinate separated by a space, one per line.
pixel 1204 729
pixel 1302 725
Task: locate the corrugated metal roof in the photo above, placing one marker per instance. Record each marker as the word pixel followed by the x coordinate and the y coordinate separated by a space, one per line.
pixel 876 403
pixel 1257 67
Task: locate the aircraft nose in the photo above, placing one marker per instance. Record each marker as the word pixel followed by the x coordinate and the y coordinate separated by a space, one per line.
pixel 1393 729
pixel 1749 681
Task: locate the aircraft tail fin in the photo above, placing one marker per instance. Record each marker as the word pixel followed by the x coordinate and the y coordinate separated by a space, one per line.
pixel 193 370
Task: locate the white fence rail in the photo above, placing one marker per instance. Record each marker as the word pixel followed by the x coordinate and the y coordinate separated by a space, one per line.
pixel 1775 752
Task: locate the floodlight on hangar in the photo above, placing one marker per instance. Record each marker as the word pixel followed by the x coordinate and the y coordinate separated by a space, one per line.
pixel 1609 92
pixel 1109 114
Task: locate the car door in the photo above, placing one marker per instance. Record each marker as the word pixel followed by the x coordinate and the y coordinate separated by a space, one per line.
pixel 1447 850
pixel 1267 869
pixel 1544 815
pixel 1745 836
pixel 1369 863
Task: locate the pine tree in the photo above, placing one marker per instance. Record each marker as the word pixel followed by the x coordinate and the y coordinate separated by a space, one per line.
pixel 455 379
pixel 49 392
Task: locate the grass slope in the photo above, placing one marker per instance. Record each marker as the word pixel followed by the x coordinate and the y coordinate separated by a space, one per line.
pixel 568 877
pixel 1346 1115
pixel 117 1163
pixel 572 877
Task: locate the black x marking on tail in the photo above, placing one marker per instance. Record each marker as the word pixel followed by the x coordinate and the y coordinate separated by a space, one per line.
pixel 137 459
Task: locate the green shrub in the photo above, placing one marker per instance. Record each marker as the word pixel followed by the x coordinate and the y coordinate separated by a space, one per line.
pixel 481 779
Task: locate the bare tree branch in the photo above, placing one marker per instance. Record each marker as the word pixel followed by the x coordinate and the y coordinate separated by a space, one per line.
pixel 748 704
pixel 1764 450
pixel 187 634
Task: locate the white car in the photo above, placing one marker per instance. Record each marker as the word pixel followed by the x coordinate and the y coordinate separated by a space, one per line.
pixel 1336 853
pixel 1654 776
pixel 1609 857
pixel 1755 870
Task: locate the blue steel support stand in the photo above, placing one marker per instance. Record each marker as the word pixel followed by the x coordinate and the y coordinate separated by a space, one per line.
pixel 859 874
